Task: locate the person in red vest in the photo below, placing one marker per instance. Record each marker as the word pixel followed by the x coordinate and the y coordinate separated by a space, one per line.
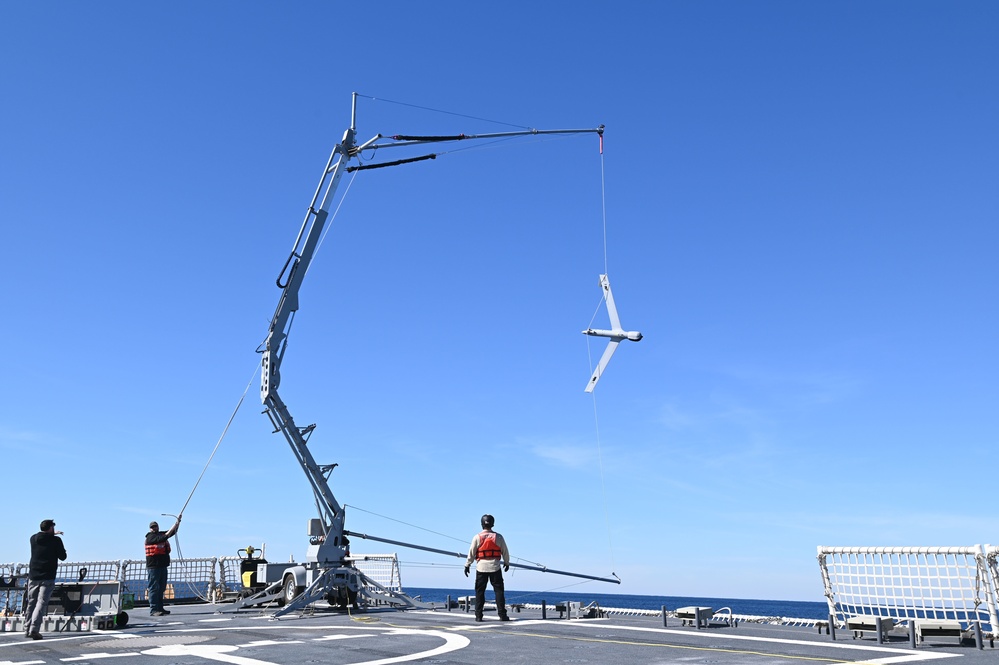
pixel 157 563
pixel 488 548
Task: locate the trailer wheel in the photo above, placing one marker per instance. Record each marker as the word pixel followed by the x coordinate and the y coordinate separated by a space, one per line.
pixel 291 590
pixel 121 620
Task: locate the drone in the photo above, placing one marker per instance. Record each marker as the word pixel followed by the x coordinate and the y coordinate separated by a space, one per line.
pixel 616 334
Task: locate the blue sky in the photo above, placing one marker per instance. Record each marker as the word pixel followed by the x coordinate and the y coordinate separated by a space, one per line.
pixel 801 210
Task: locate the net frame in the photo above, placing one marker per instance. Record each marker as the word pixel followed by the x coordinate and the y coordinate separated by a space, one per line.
pixel 906 583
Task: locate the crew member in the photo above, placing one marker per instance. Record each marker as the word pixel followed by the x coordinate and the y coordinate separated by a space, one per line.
pixel 488 547
pixel 47 551
pixel 157 563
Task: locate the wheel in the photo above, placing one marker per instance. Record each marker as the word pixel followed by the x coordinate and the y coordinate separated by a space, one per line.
pixel 290 591
pixel 121 620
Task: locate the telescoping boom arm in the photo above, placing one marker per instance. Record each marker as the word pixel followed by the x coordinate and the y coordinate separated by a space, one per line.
pixel 328 545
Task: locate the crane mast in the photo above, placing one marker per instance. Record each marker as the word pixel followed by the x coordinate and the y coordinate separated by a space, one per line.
pixel 327 536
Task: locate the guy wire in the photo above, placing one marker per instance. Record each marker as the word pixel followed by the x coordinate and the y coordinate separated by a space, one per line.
pixel 427 108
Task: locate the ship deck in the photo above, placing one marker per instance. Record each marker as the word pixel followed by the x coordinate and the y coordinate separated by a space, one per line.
pixel 200 634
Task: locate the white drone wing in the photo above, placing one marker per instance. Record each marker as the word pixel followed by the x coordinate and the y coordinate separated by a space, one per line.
pixel 602 365
pixel 609 299
pixel 614 335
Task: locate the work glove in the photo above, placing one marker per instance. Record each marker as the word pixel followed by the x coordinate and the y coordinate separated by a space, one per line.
pixel 466 571
pixel 506 568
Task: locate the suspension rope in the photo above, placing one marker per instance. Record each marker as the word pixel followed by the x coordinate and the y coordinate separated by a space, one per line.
pixel 603 200
pixel 596 419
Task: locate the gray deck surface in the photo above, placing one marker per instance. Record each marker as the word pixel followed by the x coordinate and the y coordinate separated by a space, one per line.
pixel 204 634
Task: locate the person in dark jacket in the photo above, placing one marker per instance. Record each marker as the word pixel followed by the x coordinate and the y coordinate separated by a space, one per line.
pixel 47 551
pixel 157 563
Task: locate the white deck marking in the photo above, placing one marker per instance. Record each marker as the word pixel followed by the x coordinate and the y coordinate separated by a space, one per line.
pixel 219 652
pixel 22 662
pixel 898 657
pixel 337 637
pixel 452 642
pixel 224 654
pixel 97 656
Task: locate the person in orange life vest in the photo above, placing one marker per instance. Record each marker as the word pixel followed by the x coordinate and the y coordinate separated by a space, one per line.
pixel 488 547
pixel 157 562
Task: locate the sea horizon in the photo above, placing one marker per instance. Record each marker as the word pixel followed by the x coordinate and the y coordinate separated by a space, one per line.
pixel 800 609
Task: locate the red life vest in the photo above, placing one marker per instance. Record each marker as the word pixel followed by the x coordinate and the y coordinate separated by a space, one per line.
pixel 158 549
pixel 488 549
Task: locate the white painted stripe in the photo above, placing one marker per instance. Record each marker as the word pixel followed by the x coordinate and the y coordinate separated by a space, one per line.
pixel 452 642
pixel 219 652
pixel 98 656
pixel 337 637
pixel 898 658
pixel 223 653
pixel 22 662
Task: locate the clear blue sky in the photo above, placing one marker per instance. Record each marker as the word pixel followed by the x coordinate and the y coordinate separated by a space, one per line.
pixel 801 207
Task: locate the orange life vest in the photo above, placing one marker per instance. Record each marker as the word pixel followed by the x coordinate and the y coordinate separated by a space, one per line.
pixel 157 549
pixel 488 549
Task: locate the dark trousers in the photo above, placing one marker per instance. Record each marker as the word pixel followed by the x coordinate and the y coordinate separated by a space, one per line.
pixel 496 579
pixel 157 585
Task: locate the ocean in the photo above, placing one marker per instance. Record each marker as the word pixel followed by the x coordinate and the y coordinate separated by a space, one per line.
pixel 797 609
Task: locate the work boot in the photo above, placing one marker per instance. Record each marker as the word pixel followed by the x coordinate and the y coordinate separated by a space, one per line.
pixel 35 636
pixel 504 618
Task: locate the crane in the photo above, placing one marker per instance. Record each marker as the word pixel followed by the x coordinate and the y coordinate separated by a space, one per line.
pixel 325 572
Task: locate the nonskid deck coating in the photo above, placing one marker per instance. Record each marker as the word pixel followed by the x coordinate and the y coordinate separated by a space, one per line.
pixel 204 634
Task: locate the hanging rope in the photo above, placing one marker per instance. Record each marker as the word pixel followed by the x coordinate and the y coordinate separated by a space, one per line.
pixel 596 419
pixel 603 200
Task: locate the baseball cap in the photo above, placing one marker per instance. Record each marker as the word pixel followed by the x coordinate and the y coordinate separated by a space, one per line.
pixel 46 525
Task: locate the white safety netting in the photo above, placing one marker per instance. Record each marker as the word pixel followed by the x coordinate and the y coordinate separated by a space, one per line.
pixel 953 583
pixel 382 568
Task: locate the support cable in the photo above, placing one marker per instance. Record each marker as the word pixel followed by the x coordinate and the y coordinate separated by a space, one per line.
pixel 427 108
pixel 329 224
pixel 596 419
pixel 436 533
pixel 603 201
